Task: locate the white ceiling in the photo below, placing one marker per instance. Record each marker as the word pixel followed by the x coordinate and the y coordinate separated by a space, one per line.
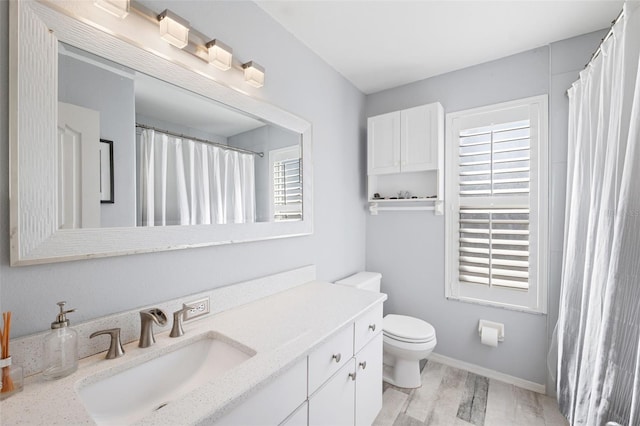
pixel 380 44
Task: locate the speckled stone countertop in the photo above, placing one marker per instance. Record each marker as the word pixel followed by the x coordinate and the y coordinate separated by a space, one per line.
pixel 281 329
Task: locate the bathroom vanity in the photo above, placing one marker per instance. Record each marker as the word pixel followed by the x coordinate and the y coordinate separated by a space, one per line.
pixel 311 354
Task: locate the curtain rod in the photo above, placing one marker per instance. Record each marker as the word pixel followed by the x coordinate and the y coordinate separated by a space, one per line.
pixel 606 37
pixel 179 135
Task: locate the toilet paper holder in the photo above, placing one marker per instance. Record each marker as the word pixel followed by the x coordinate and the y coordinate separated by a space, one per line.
pixel 491 324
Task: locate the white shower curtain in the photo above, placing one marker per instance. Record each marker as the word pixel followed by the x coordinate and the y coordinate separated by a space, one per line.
pixel 185 182
pixel 598 328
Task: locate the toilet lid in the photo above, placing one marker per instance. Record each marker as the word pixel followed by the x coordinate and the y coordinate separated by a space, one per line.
pixel 402 327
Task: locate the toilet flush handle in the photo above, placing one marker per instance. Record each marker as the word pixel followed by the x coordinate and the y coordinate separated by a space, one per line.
pixel 372 327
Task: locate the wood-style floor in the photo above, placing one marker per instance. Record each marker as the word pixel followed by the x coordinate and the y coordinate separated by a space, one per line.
pixel 453 397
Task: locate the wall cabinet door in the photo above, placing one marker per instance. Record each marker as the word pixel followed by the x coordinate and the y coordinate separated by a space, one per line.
pixel 369 382
pixel 334 403
pixel 419 147
pixel 383 153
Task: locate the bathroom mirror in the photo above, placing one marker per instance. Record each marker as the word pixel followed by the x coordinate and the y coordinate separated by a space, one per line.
pixel 180 158
pixel 53 35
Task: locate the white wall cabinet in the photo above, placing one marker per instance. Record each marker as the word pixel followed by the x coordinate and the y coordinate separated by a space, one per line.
pixel 405 155
pixel 338 383
pixel 404 141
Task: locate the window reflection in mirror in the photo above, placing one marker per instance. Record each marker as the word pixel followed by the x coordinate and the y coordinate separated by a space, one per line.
pixel 178 158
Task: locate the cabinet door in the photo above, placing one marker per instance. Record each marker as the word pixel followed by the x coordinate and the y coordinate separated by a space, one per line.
pixel 419 136
pixel 333 404
pixel 369 382
pixel 383 146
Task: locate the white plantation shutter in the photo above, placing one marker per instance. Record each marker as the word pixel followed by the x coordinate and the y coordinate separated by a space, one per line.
pixel 494 161
pixel 287 189
pixel 286 183
pixel 494 193
pixel 494 247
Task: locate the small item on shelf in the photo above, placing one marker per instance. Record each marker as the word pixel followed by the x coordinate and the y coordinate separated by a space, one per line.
pixel 377 196
pixel 413 197
pixel 393 198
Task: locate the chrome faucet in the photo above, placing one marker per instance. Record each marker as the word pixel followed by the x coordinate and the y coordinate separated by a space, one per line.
pixel 115 345
pixel 176 329
pixel 147 318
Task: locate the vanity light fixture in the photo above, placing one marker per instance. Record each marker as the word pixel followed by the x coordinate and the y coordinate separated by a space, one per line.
pixel 253 74
pixel 118 8
pixel 220 55
pixel 174 29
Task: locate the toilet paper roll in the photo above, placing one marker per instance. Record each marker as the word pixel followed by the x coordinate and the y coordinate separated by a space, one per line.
pixel 489 336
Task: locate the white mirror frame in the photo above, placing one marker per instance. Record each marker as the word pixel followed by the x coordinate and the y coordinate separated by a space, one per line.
pixel 35 29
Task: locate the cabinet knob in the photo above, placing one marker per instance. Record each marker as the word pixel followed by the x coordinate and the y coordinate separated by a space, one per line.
pixel 363 364
pixel 372 327
pixel 336 357
pixel 352 376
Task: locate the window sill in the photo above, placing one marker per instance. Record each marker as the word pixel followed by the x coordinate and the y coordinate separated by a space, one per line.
pixel 490 304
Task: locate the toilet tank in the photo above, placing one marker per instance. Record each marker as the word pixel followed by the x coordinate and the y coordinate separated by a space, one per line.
pixel 363 280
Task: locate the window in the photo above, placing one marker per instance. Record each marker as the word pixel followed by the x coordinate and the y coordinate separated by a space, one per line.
pixel 496 195
pixel 286 188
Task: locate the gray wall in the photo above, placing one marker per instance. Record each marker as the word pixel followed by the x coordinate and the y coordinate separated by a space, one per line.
pixel 408 247
pixel 297 81
pixel 86 85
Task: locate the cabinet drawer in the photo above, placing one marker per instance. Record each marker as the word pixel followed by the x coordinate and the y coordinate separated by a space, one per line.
pixel 329 357
pixel 367 326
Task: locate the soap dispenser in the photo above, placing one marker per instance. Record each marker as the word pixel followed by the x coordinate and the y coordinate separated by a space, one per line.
pixel 60 354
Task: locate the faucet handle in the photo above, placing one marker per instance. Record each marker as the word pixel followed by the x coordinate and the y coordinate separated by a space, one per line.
pixel 115 346
pixel 176 329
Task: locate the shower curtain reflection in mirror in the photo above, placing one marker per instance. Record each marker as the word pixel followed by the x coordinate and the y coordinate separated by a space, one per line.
pixel 185 182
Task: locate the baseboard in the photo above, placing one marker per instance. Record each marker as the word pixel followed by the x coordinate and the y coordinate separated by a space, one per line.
pixel 486 372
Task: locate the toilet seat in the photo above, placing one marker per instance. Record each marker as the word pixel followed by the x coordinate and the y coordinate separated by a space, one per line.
pixel 407 329
pixel 413 347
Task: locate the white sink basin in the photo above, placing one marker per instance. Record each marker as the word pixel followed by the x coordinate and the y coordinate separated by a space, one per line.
pixel 130 395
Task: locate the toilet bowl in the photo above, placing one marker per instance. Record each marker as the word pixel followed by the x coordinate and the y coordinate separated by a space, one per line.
pixel 406 340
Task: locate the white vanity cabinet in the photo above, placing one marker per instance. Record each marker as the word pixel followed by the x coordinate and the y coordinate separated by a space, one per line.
pixel 353 395
pixel 275 403
pixel 338 383
pixel 405 155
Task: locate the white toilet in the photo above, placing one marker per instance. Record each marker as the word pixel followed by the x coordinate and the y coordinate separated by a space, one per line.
pixel 407 340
